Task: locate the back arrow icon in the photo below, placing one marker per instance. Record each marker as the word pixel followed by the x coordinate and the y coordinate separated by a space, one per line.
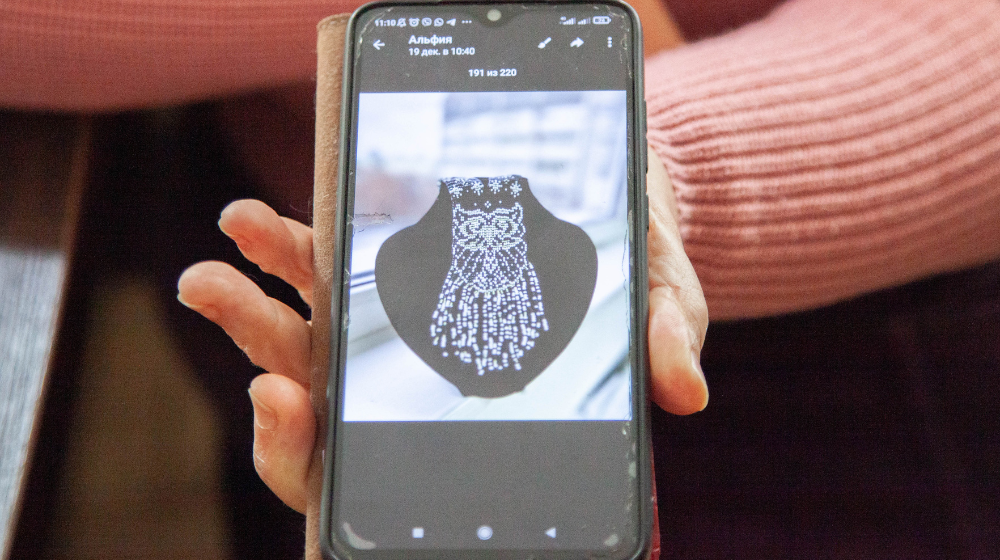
pixel 378 44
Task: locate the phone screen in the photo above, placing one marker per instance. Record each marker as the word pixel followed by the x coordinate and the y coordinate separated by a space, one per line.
pixel 490 372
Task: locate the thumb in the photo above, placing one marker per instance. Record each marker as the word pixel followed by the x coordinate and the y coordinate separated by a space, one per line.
pixel 678 314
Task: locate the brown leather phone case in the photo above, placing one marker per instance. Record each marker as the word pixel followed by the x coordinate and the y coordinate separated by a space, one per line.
pixel 329 80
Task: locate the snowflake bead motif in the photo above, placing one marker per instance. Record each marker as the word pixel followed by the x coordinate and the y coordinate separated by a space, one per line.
pixel 490 310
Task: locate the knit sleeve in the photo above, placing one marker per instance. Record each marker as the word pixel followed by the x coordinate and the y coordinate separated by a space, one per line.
pixel 833 148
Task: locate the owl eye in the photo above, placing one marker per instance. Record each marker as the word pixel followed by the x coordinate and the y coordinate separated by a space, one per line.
pixel 503 226
pixel 471 226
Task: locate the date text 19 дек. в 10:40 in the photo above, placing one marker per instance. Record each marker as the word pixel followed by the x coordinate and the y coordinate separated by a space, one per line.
pixel 457 51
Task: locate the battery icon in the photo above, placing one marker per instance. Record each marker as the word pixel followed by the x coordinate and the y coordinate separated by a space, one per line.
pixel 600 20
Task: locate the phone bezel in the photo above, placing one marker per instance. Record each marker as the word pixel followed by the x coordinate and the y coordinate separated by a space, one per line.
pixel 638 226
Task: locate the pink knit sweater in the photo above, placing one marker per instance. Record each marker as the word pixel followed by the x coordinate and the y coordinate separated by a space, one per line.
pixel 833 148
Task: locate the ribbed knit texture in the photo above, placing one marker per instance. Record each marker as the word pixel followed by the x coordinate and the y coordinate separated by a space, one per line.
pixel 833 148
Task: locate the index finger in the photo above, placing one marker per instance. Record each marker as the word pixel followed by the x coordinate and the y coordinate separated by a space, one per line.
pixel 279 246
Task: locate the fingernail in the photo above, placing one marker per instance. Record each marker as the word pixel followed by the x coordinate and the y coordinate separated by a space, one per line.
pixel 207 311
pixel 238 239
pixel 696 364
pixel 258 459
pixel 223 216
pixel 187 304
pixel 263 415
pixel 223 220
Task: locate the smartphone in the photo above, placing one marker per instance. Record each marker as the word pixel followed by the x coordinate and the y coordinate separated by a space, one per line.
pixel 488 383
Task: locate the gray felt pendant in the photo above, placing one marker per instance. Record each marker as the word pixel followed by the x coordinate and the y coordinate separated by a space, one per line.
pixel 488 287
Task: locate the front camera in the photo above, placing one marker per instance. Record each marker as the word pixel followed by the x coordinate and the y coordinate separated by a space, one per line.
pixel 494 15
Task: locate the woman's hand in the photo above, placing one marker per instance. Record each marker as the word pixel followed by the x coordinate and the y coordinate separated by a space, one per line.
pixel 277 339
pixel 273 335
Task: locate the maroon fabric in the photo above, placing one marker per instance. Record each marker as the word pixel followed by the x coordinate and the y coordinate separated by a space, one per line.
pixel 707 18
pixel 868 429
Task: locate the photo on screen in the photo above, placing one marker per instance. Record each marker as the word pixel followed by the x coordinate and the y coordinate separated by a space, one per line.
pixel 489 273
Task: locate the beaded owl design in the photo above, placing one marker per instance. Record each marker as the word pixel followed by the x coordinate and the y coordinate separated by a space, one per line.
pixel 490 310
